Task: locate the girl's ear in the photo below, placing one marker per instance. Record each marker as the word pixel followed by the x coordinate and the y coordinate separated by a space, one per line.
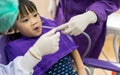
pixel 10 31
pixel 15 29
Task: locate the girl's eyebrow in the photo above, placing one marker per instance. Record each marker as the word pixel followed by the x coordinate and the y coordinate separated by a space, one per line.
pixel 25 16
pixel 22 17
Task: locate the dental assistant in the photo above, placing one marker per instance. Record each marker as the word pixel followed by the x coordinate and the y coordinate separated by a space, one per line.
pixel 89 16
pixel 23 65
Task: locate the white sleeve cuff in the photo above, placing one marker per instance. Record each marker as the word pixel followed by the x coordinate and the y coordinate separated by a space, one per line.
pixel 27 62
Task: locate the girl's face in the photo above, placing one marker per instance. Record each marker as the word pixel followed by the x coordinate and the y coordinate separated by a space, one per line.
pixel 30 25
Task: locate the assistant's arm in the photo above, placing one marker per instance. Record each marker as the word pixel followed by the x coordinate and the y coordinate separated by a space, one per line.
pixel 103 8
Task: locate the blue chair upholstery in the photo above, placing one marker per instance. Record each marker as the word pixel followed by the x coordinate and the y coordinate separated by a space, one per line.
pixel 3 42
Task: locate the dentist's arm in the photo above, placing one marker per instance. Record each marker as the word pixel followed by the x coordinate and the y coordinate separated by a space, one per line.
pixel 23 65
pixel 77 24
pixel 46 44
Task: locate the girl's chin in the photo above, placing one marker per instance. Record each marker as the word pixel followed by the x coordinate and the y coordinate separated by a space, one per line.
pixel 38 34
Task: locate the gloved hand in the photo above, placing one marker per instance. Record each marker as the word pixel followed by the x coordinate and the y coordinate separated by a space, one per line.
pixel 52 8
pixel 47 44
pixel 78 23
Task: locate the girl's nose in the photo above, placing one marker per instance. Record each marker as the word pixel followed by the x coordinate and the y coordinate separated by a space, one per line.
pixel 33 21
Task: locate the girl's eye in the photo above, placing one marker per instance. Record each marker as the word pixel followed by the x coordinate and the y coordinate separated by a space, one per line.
pixel 35 15
pixel 24 20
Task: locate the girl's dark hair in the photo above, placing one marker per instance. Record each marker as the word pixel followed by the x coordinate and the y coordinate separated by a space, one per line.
pixel 26 6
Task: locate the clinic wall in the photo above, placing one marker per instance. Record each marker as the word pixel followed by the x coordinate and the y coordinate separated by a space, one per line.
pixel 42 6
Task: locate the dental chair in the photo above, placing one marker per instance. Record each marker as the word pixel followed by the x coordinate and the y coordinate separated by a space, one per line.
pixel 4 39
pixel 3 42
pixel 112 28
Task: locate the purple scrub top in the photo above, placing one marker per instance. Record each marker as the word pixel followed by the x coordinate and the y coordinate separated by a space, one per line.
pixel 97 32
pixel 20 46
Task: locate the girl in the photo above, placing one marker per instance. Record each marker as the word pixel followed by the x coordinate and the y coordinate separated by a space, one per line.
pixel 29 24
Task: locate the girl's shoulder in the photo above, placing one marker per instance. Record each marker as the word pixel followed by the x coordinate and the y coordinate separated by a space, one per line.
pixel 49 22
pixel 22 43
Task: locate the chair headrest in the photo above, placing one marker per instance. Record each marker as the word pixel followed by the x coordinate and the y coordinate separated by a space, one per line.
pixel 3 42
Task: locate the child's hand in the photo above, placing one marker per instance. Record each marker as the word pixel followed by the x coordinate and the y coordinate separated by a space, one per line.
pixel 82 72
pixel 47 44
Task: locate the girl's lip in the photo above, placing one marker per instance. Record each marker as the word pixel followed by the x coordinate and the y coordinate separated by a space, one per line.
pixel 36 28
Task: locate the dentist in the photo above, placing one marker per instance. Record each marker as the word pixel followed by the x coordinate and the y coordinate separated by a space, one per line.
pixel 8 14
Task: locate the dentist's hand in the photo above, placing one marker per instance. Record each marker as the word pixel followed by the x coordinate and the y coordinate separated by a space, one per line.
pixel 46 44
pixel 52 8
pixel 78 24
